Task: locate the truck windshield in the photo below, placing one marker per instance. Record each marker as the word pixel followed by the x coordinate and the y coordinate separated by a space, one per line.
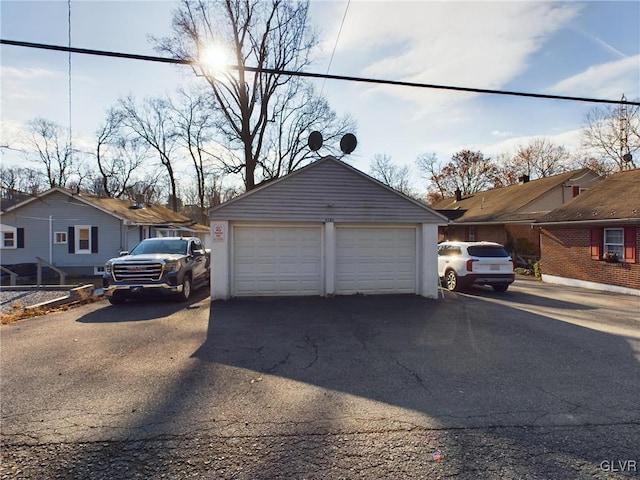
pixel 161 246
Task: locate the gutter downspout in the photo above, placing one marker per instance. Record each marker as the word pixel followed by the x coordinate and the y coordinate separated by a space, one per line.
pixel 50 239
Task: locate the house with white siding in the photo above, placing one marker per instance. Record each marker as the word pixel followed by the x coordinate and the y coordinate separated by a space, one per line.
pixel 325 229
pixel 78 232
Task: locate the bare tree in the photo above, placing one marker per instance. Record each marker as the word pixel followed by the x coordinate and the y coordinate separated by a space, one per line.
pixel 383 169
pixel 52 149
pixel 539 158
pixel 295 115
pixel 118 156
pixel 269 34
pixel 21 179
pixel 468 171
pixel 429 168
pixel 612 134
pixel 194 129
pixel 154 123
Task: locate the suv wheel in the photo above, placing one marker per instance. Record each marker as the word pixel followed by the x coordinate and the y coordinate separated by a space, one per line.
pixel 451 281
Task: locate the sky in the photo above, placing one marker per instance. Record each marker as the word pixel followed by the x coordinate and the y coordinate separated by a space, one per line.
pixel 582 49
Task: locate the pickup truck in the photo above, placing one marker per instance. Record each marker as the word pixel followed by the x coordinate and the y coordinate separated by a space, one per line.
pixel 165 265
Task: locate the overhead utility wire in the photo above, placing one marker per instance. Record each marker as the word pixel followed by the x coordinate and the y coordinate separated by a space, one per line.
pixel 335 45
pixel 179 61
pixel 69 82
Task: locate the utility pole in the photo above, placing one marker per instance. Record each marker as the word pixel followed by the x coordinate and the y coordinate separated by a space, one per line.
pixel 626 159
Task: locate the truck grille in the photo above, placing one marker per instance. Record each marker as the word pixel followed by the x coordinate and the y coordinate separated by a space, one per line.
pixel 137 271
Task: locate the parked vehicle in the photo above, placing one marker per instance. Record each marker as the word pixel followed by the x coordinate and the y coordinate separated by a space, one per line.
pixel 461 264
pixel 165 265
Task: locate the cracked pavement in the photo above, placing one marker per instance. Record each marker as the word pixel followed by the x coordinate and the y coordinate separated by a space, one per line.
pixel 541 382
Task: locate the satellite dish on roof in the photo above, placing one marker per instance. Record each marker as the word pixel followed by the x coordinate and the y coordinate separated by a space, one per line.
pixel 627 157
pixel 348 143
pixel 315 141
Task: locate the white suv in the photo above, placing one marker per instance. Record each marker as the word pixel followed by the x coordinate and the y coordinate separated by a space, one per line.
pixel 461 264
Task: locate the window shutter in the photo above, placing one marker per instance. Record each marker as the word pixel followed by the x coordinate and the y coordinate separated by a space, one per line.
pixel 94 239
pixel 576 191
pixel 20 237
pixel 630 244
pixel 597 236
pixel 71 239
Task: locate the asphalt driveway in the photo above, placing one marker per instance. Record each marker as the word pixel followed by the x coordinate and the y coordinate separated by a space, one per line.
pixel 539 382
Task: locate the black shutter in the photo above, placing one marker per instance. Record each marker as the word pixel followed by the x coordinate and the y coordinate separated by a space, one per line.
pixel 94 239
pixel 20 239
pixel 71 240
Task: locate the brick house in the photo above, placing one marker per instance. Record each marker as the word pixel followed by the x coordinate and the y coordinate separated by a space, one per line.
pixel 594 240
pixel 504 215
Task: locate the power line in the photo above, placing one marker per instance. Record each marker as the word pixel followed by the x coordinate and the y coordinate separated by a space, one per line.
pixel 180 61
pixel 69 80
pixel 335 45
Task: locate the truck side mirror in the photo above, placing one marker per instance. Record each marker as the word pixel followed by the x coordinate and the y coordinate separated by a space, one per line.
pixel 124 253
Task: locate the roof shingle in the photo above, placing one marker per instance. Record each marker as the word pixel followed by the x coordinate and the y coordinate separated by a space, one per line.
pixel 506 204
pixel 614 198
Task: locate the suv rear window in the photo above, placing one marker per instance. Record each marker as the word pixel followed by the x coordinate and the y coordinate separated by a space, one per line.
pixel 487 251
pixel 447 250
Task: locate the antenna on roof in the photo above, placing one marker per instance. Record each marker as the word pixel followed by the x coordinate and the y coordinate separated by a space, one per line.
pixel 348 143
pixel 315 141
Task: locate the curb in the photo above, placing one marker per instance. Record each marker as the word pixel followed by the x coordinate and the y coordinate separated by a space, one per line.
pixel 75 294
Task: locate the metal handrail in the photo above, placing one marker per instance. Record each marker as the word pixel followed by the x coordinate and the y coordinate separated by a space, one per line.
pixel 52 267
pixel 13 276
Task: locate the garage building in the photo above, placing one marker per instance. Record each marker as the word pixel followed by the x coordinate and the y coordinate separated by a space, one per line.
pixel 322 230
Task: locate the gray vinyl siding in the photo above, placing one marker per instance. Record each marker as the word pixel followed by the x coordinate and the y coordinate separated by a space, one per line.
pixel 325 190
pixel 65 212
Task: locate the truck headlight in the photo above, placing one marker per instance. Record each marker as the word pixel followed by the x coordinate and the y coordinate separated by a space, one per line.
pixel 170 267
pixel 107 268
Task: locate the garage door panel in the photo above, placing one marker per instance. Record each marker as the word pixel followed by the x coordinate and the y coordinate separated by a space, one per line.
pixel 375 260
pixel 277 261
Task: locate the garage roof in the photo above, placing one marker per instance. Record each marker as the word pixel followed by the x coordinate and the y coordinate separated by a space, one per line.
pixel 326 189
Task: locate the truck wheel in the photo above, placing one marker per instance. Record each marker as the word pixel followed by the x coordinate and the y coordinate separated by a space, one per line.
pixel 117 299
pixel 186 289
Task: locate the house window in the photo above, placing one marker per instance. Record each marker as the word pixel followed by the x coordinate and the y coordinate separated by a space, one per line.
pixel 8 240
pixel 83 239
pixel 11 237
pixel 60 237
pixel 614 241
pixel 471 234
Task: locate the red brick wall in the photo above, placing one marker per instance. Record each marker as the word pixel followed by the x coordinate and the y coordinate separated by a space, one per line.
pixel 527 237
pixel 566 253
pixel 487 233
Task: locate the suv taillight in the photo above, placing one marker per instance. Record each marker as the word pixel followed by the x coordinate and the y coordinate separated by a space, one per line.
pixel 470 265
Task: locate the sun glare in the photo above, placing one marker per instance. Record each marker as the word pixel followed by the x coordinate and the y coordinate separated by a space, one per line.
pixel 214 58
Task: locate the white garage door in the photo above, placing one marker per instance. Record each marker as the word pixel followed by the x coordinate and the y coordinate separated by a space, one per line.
pixel 375 260
pixel 272 261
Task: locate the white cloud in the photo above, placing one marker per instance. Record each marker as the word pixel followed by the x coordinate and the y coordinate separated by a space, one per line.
pixel 608 80
pixel 19 81
pixel 477 44
pixel 570 139
pixel 501 134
